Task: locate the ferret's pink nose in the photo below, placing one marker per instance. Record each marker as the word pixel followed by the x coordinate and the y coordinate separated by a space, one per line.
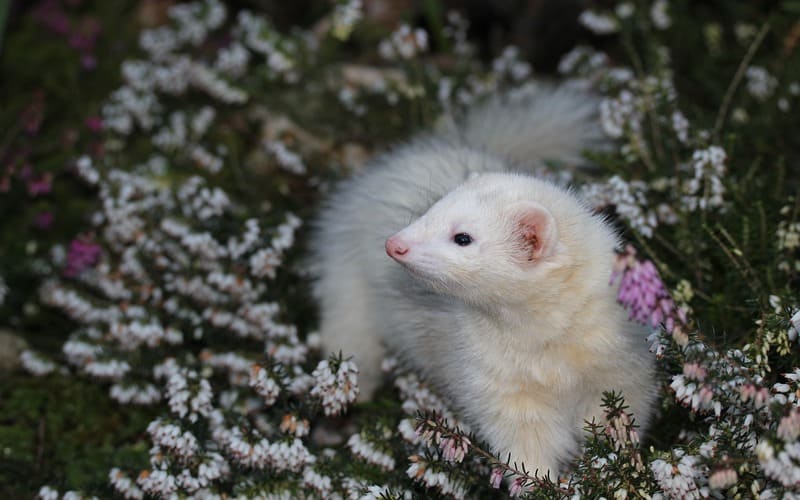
pixel 395 248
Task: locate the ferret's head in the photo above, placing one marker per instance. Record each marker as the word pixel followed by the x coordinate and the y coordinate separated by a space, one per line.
pixel 490 241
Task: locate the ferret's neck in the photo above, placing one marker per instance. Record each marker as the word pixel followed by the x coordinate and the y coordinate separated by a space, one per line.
pixel 555 318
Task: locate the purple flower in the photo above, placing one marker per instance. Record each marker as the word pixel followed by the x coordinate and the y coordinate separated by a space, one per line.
pixel 94 123
pixel 41 184
pixel 82 255
pixel 642 292
pixel 43 220
pixel 52 16
pixel 88 61
pixel 81 36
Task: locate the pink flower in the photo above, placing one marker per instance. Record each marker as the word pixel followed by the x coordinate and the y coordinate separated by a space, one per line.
pixel 40 185
pixel 94 123
pixel 517 487
pixel 82 255
pixel 722 478
pixel 789 427
pixel 695 371
pixel 454 448
pixel 497 477
pixel 642 292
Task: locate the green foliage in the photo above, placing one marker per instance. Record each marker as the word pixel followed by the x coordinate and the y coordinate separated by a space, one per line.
pixel 64 431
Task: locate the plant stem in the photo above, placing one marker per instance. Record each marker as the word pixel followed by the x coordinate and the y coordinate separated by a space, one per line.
pixel 737 79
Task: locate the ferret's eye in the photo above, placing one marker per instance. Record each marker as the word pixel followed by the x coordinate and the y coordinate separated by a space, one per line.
pixel 462 239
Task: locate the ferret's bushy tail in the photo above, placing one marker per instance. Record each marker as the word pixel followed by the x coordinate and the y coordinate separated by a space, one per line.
pixel 535 123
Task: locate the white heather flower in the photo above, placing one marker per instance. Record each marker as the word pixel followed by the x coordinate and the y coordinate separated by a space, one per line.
pixel 348 96
pixel 124 485
pixel 456 30
pixel 704 190
pixel 722 478
pixel 140 395
pixel 185 401
pixel 35 364
pixel 112 369
pixel 659 14
pixel 86 170
pixel 407 430
pixel 196 19
pixel 264 385
pixel 321 484
pixel 681 126
pixel 205 160
pixel 420 471
pixel 79 353
pixel 206 79
pixel 599 24
pixel 287 159
pixel 760 84
pixel 48 493
pixel 336 390
pixel 290 424
pixel 202 120
pixel 780 465
pixel 681 480
pixel 159 483
pixel 625 10
pixel 619 114
pixel 620 75
pixel 628 199
pixel 582 61
pixel 739 115
pixel 794 328
pixel 418 398
pixel 744 32
pixel 345 16
pixel 367 451
pixel 509 63
pixel 171 437
pixel 76 306
pixel 159 43
pixel 789 427
pixel 404 43
pixel 233 60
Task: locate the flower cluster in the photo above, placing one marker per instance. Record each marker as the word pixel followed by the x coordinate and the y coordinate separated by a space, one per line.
pixel 188 295
pixel 335 386
pixel 404 43
pixel 643 294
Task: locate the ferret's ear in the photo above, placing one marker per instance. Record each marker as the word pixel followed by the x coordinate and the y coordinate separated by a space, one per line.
pixel 535 231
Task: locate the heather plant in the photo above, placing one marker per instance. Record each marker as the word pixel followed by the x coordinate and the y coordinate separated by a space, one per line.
pixel 188 288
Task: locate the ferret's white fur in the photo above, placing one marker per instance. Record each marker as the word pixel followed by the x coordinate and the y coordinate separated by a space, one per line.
pixel 522 348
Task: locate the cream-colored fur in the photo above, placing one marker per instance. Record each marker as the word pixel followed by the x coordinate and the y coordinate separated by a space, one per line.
pixel 521 333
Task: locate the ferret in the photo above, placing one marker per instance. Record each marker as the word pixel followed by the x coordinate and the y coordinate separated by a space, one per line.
pixel 490 282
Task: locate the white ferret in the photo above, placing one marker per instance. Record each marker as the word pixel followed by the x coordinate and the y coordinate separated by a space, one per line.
pixel 497 289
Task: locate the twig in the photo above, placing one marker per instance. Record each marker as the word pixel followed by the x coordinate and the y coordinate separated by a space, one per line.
pixel 737 78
